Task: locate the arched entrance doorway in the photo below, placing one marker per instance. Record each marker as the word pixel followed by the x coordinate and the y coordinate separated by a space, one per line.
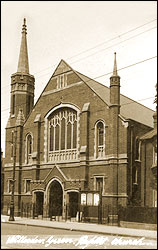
pixel 55 199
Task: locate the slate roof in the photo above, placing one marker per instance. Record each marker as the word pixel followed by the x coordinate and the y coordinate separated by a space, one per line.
pixel 149 135
pixel 130 109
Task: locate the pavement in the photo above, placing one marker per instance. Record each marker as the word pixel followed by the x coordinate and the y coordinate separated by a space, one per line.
pixel 83 227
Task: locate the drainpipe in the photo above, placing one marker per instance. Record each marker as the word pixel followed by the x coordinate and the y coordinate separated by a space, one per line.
pixel 145 175
pixel 131 161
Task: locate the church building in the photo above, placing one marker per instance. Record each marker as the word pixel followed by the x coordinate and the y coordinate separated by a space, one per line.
pixel 80 137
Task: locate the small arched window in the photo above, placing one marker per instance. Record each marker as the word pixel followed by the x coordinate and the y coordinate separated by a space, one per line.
pixel 100 133
pixel 100 139
pixel 155 154
pixel 137 149
pixel 29 148
pixel 12 145
pixel 13 104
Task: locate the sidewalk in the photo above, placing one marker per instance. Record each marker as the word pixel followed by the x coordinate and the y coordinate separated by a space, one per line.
pixel 83 227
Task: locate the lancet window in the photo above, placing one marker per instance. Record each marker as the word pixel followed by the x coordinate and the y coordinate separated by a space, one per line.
pixel 29 148
pixel 100 139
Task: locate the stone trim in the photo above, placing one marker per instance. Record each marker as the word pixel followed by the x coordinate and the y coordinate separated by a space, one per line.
pixel 96 147
pixel 47 192
pixel 26 153
pixel 22 194
pixel 46 132
pixel 60 89
pixel 120 195
pixel 45 138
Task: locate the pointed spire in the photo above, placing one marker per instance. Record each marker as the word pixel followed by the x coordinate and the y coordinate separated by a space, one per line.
pixel 23 64
pixel 115 66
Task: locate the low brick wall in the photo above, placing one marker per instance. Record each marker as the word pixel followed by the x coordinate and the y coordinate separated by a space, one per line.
pixel 147 215
pixel 135 225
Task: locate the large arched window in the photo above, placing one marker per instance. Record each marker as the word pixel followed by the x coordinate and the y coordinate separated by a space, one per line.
pixel 99 139
pixel 29 148
pixel 63 134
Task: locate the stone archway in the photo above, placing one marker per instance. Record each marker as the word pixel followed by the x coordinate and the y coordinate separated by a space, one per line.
pixel 55 199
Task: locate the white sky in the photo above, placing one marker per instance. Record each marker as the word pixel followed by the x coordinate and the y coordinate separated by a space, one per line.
pixel 62 29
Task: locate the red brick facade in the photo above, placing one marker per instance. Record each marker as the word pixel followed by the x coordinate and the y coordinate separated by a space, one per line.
pixel 99 141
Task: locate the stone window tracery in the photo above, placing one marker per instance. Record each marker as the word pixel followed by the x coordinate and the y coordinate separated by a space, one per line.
pixel 63 135
pixel 99 139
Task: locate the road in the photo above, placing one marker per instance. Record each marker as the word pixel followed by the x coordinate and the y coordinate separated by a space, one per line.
pixel 34 237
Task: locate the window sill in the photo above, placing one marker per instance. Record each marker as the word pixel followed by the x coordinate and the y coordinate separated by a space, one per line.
pixel 139 161
pixel 154 165
pixel 135 184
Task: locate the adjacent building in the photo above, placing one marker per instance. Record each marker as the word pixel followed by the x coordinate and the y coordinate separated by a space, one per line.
pixel 149 166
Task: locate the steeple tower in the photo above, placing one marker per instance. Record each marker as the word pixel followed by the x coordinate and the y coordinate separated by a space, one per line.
pixel 114 127
pixel 23 65
pixel 22 84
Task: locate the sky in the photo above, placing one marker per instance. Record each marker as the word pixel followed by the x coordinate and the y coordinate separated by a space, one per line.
pixel 85 34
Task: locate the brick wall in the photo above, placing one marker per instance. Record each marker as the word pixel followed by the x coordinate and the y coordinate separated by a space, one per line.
pixel 86 167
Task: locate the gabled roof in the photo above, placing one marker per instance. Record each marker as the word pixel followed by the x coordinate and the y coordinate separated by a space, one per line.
pixel 149 135
pixel 130 109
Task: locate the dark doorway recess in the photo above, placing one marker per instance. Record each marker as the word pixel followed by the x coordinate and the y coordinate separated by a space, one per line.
pixel 39 203
pixel 73 203
pixel 55 199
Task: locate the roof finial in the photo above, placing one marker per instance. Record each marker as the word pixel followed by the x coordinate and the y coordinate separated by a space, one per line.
pixel 24 27
pixel 115 66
